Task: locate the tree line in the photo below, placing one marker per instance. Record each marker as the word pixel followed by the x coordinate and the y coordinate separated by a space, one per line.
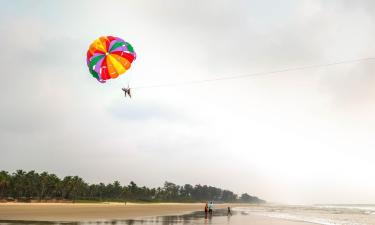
pixel 27 186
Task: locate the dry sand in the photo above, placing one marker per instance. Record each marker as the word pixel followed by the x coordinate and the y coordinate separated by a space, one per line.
pixel 110 211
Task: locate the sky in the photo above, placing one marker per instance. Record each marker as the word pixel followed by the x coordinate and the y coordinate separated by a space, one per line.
pixel 300 137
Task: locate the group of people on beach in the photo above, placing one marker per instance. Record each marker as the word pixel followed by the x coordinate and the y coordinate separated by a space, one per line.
pixel 209 209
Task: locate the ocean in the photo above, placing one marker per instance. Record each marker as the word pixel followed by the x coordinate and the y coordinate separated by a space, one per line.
pixel 317 214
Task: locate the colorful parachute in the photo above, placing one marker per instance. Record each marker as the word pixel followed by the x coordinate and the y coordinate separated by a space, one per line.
pixel 108 57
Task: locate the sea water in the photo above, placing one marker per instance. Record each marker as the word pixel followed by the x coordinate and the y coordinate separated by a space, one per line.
pixel 317 214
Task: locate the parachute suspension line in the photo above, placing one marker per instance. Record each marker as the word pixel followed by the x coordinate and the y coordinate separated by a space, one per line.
pixel 255 74
pixel 126 80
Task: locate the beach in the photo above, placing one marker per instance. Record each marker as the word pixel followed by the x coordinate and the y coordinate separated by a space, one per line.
pixel 184 213
pixel 143 213
pixel 93 211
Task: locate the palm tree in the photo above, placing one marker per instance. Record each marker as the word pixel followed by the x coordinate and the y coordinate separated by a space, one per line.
pixel 66 187
pixel 117 190
pixel 102 191
pixel 4 183
pixel 78 187
pixel 19 183
pixel 32 184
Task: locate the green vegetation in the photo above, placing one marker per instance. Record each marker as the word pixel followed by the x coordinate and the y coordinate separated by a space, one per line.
pixel 27 186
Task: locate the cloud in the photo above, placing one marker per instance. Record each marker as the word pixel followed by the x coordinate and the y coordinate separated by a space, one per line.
pixel 352 89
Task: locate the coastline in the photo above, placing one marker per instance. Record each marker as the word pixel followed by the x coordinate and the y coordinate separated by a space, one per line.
pixel 109 211
pixel 96 211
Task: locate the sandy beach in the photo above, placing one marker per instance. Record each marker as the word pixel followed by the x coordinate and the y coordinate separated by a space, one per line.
pixel 111 211
pixel 96 211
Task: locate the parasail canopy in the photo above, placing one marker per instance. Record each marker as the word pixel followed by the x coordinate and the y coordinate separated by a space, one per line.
pixel 108 57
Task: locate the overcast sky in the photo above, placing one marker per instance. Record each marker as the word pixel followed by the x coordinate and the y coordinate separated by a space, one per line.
pixel 296 137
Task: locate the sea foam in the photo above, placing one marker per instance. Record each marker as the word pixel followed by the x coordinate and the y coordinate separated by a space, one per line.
pixel 303 214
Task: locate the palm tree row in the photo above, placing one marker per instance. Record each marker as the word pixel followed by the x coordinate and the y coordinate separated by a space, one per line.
pixel 26 186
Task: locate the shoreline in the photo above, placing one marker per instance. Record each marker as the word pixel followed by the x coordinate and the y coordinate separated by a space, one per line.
pixel 71 212
pixel 108 211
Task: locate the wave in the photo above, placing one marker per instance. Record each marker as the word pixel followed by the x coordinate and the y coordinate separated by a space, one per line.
pixel 298 217
pixel 365 209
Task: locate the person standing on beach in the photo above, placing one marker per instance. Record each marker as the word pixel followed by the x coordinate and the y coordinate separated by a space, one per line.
pixel 210 207
pixel 205 211
pixel 229 212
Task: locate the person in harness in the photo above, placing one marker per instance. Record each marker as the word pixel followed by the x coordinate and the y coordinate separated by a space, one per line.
pixel 127 92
